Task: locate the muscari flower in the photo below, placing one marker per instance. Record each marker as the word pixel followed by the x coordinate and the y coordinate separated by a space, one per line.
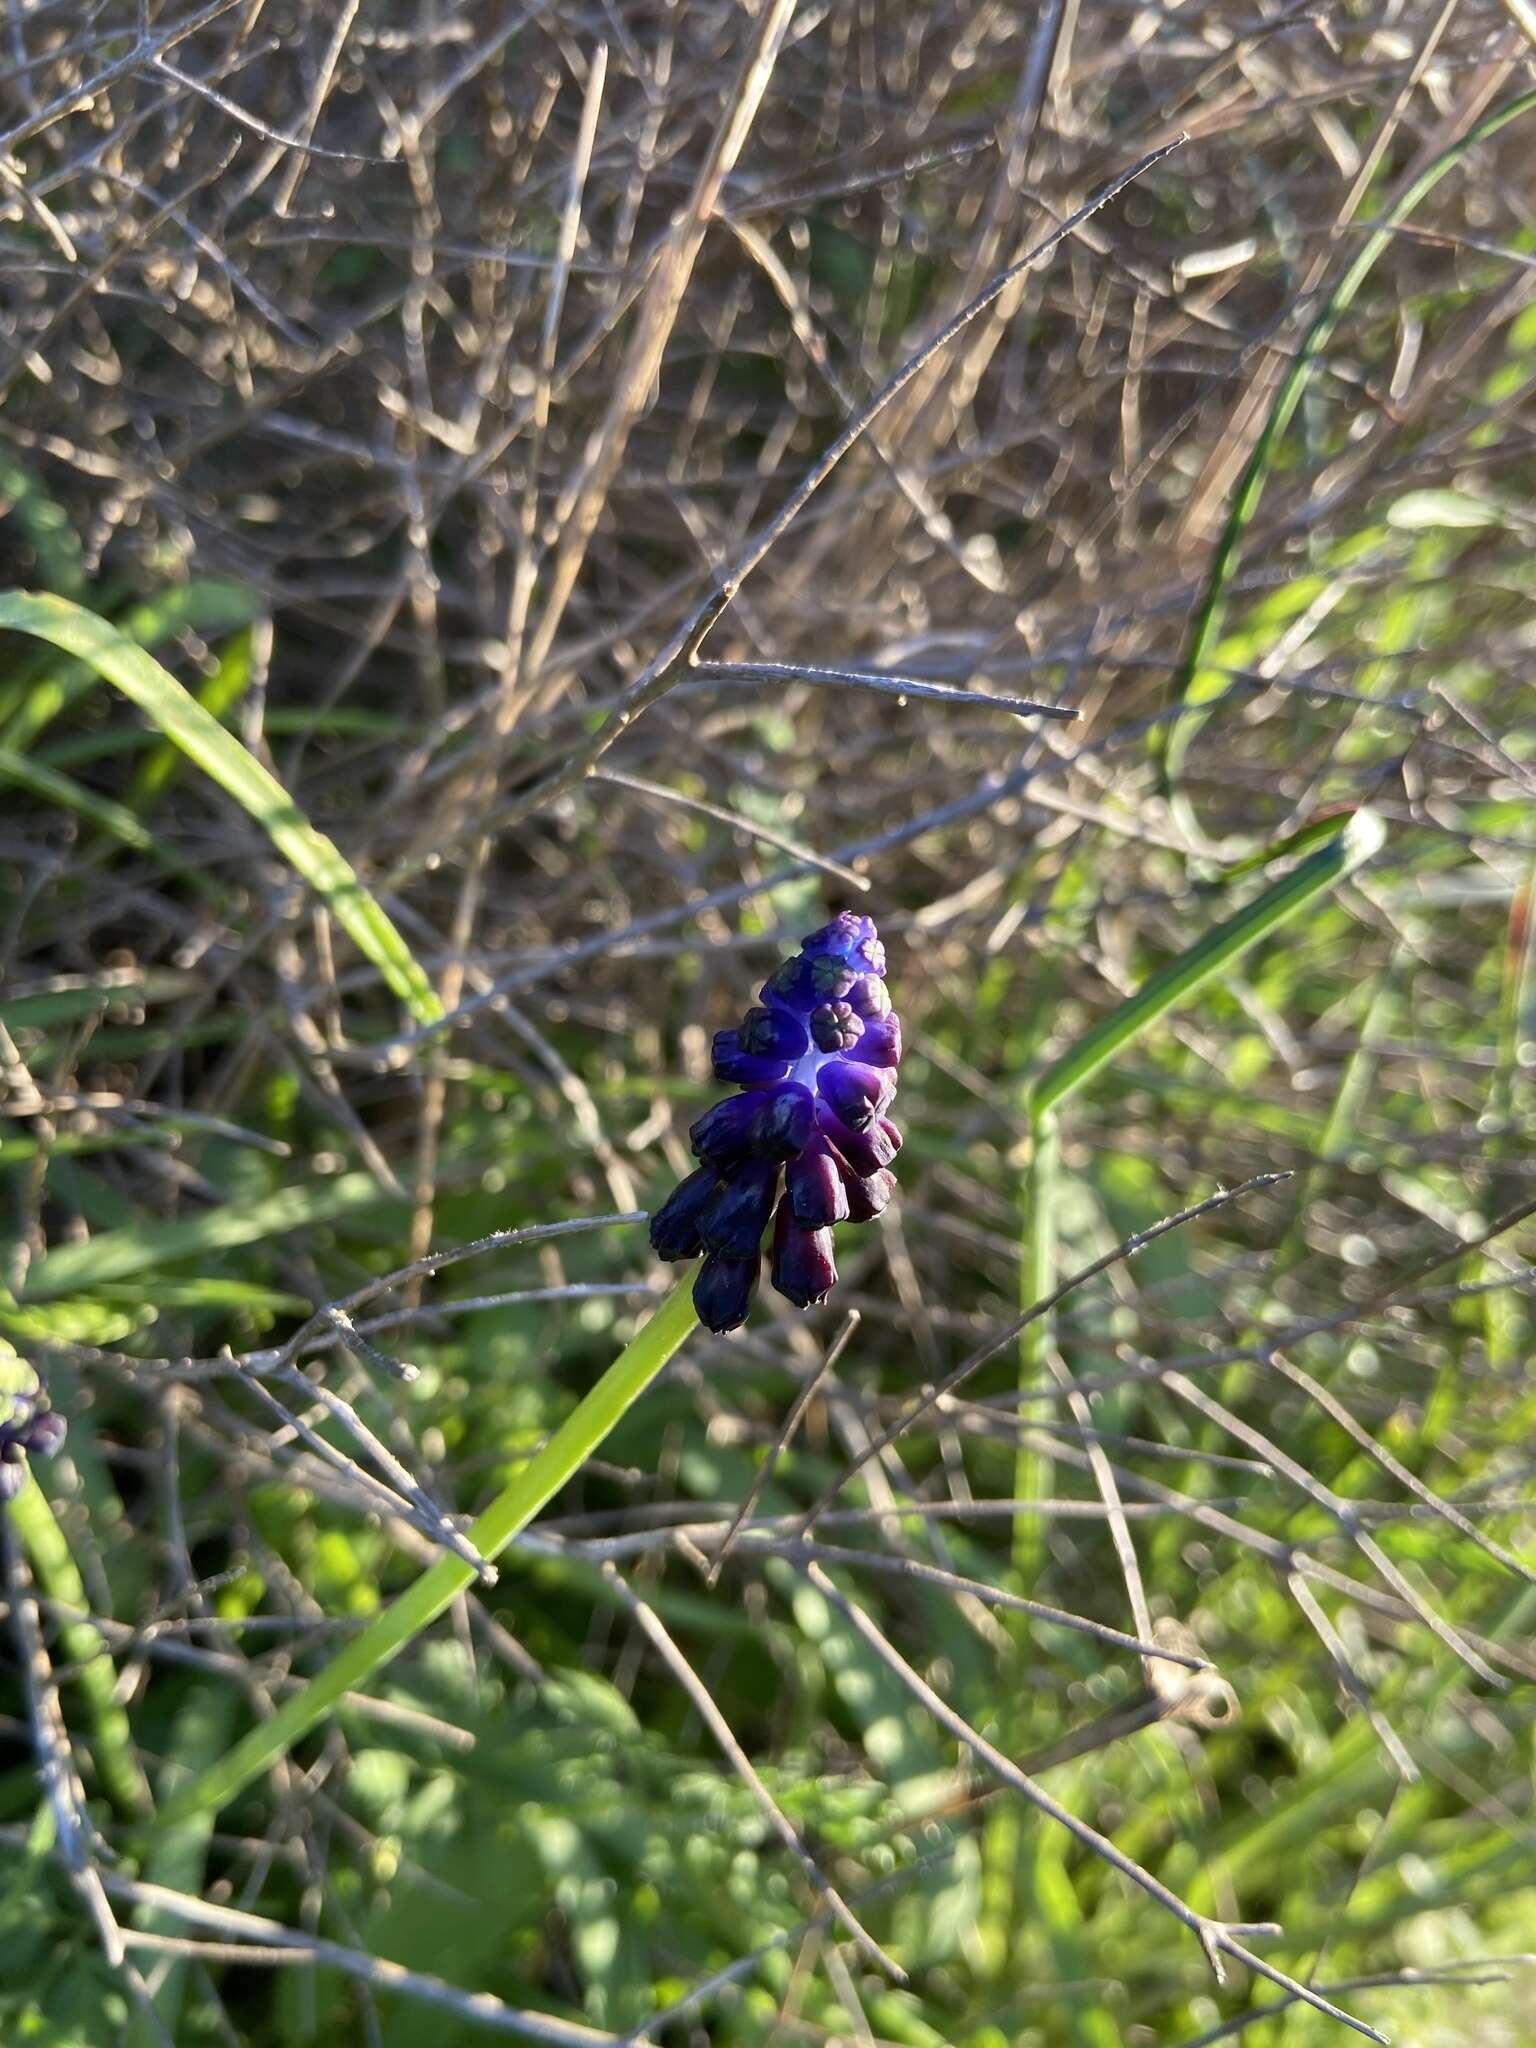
pixel 815 1060
pixel 29 1428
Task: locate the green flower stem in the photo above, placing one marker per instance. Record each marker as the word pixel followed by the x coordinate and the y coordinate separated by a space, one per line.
pixel 438 1587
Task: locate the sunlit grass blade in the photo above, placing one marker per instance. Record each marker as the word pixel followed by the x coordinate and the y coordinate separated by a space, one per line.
pixel 1354 840
pixel 33 696
pixel 136 1247
pixel 121 662
pixel 1357 838
pixel 218 696
pixel 59 1580
pixel 593 1418
pixel 1191 684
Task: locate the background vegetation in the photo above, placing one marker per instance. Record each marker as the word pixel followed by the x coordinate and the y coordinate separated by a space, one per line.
pixel 403 378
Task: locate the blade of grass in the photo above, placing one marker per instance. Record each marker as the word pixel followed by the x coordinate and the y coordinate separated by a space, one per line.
pixel 113 818
pixel 435 1591
pixel 1358 837
pixel 34 697
pixel 121 662
pixel 1180 733
pixel 59 1579
pixel 117 1254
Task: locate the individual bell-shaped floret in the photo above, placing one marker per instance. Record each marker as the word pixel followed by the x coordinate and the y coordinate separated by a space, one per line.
pixel 804 1270
pixel 774 1032
pixel 815 1184
pixel 868 997
pixel 865 1151
pixel 785 1120
pixel 881 1044
pixel 746 1069
pixel 855 1092
pixel 737 1213
pixel 869 1195
pixel 723 1291
pixel 724 1133
pixel 675 1232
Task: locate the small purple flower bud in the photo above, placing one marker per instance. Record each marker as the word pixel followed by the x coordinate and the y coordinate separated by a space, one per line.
pixel 816 1190
pixel 852 938
pixel 869 997
pixel 723 1291
pixel 738 1212
pixel 855 1092
pixel 865 1151
pixel 747 1069
pixel 869 1195
pixel 881 1044
pixel 27 1430
pixel 46 1433
pixel 675 1226
pixel 773 1033
pixel 789 986
pixel 804 1270
pixel 724 1132
pixel 831 975
pixel 835 1028
pixel 785 1120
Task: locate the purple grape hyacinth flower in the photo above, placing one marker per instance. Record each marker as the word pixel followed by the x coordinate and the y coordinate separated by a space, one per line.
pixel 29 1429
pixel 815 1060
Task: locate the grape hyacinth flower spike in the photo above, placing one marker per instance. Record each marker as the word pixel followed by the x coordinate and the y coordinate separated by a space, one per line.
pixel 27 1427
pixel 815 1060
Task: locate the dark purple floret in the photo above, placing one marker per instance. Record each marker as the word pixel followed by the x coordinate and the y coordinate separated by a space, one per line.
pixel 737 1213
pixel 723 1134
pixel 869 1195
pixel 723 1292
pixel 776 1033
pixel 747 1069
pixel 856 1093
pixel 804 1270
pixel 29 1430
pixel 815 1060
pixel 675 1226
pixel 869 997
pixel 816 1188
pixel 881 1044
pixel 865 1151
